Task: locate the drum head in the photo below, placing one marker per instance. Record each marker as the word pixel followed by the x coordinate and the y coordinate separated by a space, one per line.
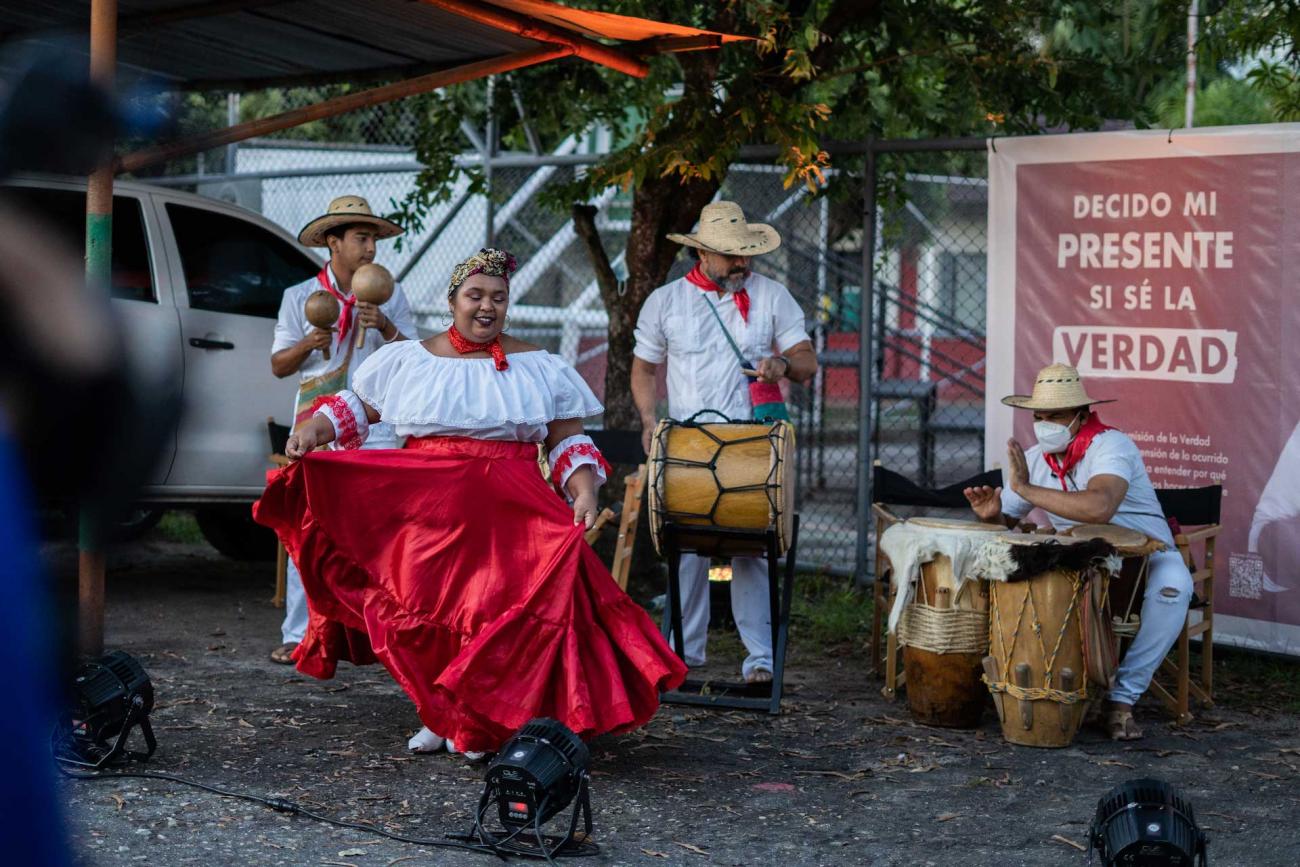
pixel 1126 540
pixel 1039 539
pixel 954 524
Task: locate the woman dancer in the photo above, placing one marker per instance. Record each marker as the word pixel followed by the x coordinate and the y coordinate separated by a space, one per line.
pixel 453 562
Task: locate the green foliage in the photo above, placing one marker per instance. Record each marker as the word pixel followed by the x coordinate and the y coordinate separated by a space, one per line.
pixel 831 614
pixel 178 526
pixel 1225 101
pixel 842 69
pixel 1266 34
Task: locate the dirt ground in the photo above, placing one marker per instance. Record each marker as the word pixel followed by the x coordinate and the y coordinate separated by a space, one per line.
pixel 840 777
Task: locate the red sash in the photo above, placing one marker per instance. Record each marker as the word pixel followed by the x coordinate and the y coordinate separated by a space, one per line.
pixel 741 296
pixel 345 304
pixel 1078 446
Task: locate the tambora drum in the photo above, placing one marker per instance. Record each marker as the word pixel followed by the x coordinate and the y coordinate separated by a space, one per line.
pixel 943 622
pixel 1036 667
pixel 734 475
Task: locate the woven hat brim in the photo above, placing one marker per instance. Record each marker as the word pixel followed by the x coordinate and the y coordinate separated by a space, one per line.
pixel 313 234
pixel 1026 401
pixel 763 239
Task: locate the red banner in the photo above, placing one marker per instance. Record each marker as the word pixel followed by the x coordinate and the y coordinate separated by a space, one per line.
pixel 1165 267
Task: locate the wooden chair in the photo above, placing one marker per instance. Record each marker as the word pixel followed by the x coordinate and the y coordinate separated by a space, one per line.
pixel 1196 511
pixel 893 489
pixel 279 434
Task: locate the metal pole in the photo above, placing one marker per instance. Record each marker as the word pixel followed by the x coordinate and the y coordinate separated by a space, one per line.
pixel 866 361
pixel 340 104
pixel 489 153
pixel 1193 19
pixel 232 118
pixel 99 266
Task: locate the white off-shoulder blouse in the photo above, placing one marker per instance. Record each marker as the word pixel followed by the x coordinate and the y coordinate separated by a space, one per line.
pixel 421 394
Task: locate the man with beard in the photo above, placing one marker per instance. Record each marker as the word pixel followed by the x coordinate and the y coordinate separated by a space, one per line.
pixel 764 322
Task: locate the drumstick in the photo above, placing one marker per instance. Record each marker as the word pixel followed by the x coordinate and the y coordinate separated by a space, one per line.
pixel 749 371
pixel 991 672
pixel 1026 706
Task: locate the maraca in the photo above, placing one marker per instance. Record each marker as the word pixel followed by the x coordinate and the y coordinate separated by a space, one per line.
pixel 323 312
pixel 374 285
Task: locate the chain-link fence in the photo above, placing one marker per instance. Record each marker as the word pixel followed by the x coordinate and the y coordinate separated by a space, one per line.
pixel 926 310
pixel 929 320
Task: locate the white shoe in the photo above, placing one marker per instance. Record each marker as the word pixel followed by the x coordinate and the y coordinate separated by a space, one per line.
pixel 469 756
pixel 426 741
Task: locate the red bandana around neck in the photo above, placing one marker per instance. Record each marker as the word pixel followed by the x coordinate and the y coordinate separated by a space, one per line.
pixel 345 304
pixel 741 295
pixel 464 346
pixel 1078 446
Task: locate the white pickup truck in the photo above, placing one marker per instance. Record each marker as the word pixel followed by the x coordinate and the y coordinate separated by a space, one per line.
pixel 198 284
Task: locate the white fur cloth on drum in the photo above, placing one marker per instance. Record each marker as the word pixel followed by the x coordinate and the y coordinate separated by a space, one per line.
pixel 909 544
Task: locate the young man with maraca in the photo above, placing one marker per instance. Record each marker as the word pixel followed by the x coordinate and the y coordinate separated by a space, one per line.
pixel 324 358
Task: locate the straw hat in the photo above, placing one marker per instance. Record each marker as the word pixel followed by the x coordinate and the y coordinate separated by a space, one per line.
pixel 722 229
pixel 1057 387
pixel 344 211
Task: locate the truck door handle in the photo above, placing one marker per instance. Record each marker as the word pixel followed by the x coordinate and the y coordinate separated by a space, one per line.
pixel 205 343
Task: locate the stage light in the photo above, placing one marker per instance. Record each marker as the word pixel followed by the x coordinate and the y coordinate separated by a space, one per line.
pixel 1146 823
pixel 109 697
pixel 538 773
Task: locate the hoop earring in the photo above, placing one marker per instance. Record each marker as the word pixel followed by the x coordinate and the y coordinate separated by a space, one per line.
pixel 447 319
pixel 505 326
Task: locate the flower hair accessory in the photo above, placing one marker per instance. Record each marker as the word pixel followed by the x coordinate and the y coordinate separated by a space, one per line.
pixel 489 261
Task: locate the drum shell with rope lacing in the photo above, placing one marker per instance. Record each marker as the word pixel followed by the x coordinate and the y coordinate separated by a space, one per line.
pixel 1039 623
pixel 730 475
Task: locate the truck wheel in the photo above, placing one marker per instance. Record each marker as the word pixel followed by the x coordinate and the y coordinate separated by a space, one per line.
pixel 231 530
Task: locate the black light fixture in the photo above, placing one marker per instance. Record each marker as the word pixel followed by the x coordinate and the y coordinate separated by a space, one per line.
pixel 1146 823
pixel 110 696
pixel 538 773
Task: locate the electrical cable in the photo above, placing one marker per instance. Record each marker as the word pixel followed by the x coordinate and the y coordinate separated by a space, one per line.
pixel 280 805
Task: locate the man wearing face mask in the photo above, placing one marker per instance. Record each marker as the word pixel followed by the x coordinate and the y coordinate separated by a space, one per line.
pixel 1085 472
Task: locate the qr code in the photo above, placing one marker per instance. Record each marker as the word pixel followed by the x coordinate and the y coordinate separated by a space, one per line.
pixel 1246 576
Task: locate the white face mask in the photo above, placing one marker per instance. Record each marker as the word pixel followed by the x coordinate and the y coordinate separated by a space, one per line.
pixel 1052 437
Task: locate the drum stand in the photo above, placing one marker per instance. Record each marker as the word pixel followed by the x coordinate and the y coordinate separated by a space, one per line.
pixel 731 694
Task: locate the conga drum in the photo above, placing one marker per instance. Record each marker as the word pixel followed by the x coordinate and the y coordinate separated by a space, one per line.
pixel 943 630
pixel 1036 666
pixel 725 476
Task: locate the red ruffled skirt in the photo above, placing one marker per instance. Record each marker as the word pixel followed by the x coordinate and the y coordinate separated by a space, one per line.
pixel 458 567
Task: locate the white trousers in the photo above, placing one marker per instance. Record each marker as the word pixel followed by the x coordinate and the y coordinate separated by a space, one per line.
pixel 749 606
pixel 294 626
pixel 1164 611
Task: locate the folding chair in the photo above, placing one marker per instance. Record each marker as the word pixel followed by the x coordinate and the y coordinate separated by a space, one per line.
pixel 279 434
pixel 1192 508
pixel 893 489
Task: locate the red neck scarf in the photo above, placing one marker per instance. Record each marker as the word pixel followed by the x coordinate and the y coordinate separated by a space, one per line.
pixel 464 346
pixel 1078 446
pixel 345 304
pixel 741 295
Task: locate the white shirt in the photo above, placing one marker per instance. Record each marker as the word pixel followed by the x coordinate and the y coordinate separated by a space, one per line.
pixel 1280 499
pixel 422 394
pixel 703 371
pixel 292 326
pixel 1111 453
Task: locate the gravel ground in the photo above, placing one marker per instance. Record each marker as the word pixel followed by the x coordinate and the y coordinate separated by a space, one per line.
pixel 841 777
